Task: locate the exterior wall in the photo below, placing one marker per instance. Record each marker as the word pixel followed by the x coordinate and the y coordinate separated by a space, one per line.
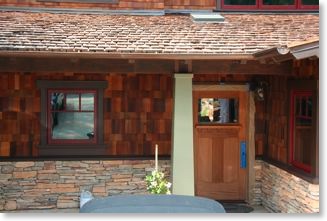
pixel 187 4
pixel 120 4
pixel 280 191
pixel 256 192
pixel 277 108
pixel 137 113
pixel 58 184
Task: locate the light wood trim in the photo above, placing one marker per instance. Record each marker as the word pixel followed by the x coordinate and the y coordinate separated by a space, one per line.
pixel 217 87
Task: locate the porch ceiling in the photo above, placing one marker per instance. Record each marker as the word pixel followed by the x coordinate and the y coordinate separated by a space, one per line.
pixel 121 35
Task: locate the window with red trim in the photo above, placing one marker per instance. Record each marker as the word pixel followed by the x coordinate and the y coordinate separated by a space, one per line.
pixel 270 4
pixel 71 116
pixel 302 130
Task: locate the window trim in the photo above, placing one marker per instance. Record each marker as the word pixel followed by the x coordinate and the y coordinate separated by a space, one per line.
pixel 47 149
pixel 312 86
pixel 294 93
pixel 259 6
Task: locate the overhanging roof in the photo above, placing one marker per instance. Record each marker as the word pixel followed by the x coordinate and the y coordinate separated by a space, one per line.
pixel 295 50
pixel 239 36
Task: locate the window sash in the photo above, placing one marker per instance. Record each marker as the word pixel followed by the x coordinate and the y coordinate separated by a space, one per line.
pixel 261 6
pixel 50 112
pixel 294 129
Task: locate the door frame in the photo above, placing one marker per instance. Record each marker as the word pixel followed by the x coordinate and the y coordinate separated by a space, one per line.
pixel 250 128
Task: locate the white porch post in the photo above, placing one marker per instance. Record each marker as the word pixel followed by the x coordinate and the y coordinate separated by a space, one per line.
pixel 182 143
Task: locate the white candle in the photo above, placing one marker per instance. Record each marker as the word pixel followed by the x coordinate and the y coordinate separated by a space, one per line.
pixel 156 157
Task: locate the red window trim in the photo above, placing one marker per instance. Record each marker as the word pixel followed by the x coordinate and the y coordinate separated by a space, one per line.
pixel 277 7
pixel 72 141
pixel 294 93
pixel 307 7
pixel 223 6
pixel 260 6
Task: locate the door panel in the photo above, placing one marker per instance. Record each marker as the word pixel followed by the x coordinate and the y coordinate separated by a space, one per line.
pixel 217 151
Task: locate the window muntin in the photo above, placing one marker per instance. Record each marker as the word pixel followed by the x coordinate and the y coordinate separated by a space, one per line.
pixel 302 129
pixel 218 110
pixel 71 116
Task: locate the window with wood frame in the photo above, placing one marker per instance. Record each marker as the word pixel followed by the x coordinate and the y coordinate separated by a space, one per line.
pixel 270 4
pixel 302 129
pixel 71 118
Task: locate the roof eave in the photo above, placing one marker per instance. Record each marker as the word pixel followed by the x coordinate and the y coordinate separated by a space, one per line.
pixel 282 53
pixel 151 56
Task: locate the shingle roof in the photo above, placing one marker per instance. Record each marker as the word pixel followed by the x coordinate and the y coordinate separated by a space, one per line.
pixel 169 34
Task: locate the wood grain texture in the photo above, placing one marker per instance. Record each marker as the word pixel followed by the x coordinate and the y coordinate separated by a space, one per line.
pixel 217 152
pixel 120 4
pixel 137 112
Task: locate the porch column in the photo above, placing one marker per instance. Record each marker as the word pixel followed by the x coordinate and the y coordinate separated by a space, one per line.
pixel 182 143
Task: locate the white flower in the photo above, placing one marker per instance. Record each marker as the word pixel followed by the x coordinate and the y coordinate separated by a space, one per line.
pixel 168 185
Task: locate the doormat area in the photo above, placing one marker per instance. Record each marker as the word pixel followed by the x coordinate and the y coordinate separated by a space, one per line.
pixel 237 207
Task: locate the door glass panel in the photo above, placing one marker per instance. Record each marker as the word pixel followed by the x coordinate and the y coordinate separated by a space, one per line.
pixel 240 2
pixel 87 102
pixel 278 2
pixel 72 102
pixel 218 110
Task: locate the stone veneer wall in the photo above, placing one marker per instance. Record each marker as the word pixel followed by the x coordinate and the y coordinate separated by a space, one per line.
pixel 255 191
pixel 284 192
pixel 58 184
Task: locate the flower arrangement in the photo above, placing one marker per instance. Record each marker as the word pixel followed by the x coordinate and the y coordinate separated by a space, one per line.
pixel 156 182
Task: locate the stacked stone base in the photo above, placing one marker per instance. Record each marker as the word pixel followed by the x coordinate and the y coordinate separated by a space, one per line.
pixel 58 184
pixel 285 193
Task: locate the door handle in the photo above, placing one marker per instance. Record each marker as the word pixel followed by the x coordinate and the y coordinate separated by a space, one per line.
pixel 243 154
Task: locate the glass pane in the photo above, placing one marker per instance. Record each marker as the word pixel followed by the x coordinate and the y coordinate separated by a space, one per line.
pixel 278 2
pixel 304 106
pixel 87 102
pixel 310 107
pixel 72 102
pixel 57 101
pixel 303 142
pixel 218 110
pixel 72 125
pixel 240 2
pixel 310 2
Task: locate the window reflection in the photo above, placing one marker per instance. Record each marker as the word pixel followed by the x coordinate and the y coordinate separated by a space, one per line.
pixel 218 110
pixel 72 115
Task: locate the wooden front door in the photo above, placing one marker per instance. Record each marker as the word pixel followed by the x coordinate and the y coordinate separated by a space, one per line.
pixel 220 144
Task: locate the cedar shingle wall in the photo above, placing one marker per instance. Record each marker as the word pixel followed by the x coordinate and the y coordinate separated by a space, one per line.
pixel 277 114
pixel 138 113
pixel 122 4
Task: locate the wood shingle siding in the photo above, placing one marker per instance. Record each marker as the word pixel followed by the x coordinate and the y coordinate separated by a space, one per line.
pixel 116 4
pixel 137 113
